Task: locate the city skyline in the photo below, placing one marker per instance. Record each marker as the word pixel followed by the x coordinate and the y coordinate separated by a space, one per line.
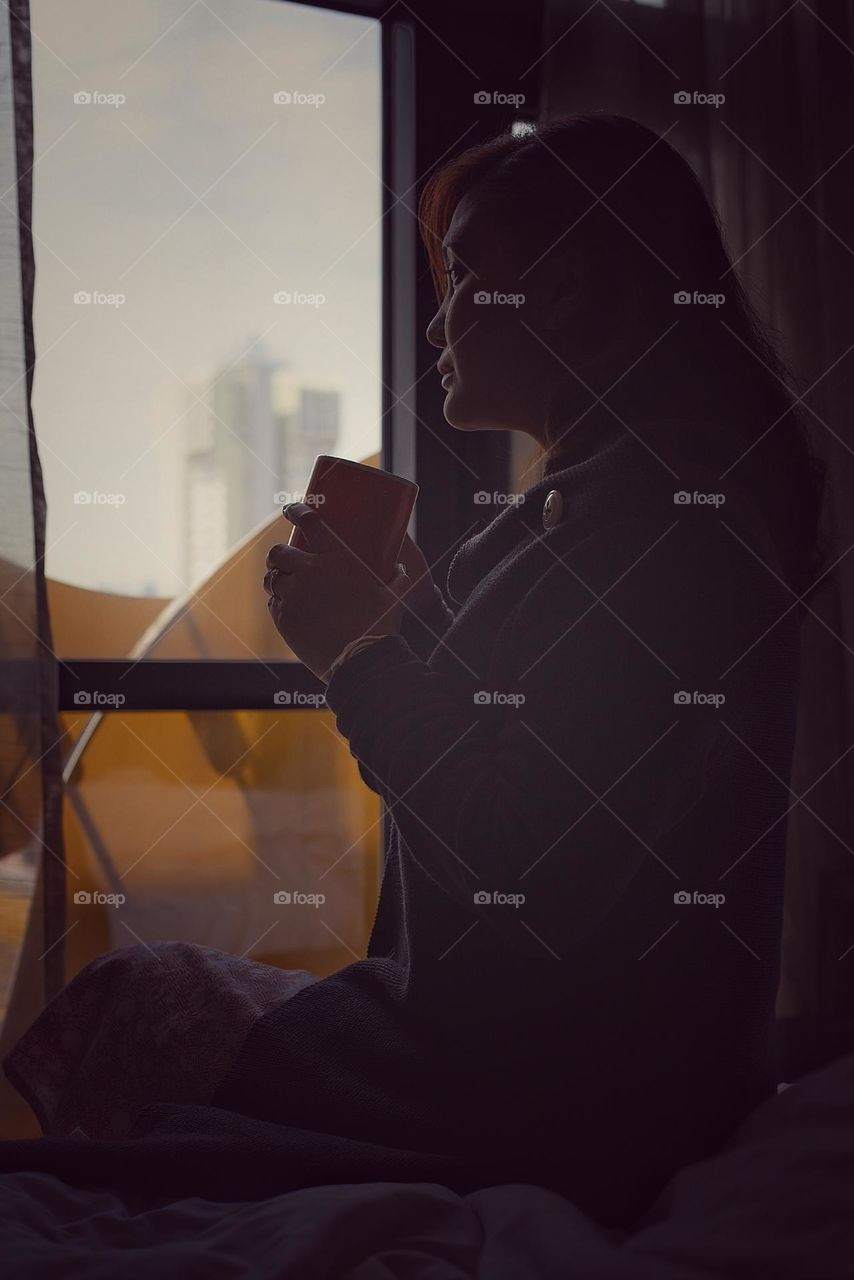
pixel 174 228
pixel 251 437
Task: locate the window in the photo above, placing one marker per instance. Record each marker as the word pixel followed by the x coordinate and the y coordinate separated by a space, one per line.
pixel 207 210
pixel 207 230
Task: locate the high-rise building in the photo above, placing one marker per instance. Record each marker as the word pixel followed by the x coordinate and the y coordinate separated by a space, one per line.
pixel 253 434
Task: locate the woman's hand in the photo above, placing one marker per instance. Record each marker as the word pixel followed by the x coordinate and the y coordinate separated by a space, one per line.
pixel 323 598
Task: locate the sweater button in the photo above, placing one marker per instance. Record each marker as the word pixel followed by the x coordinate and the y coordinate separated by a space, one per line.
pixel 552 509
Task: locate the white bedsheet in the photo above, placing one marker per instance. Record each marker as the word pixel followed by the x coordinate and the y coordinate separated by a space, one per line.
pixel 372 1231
pixel 776 1203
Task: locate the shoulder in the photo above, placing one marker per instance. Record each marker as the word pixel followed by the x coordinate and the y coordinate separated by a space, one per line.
pixel 667 498
pixel 678 580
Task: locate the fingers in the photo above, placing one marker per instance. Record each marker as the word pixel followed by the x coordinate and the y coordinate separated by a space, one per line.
pixel 318 535
pixel 286 559
pixel 283 564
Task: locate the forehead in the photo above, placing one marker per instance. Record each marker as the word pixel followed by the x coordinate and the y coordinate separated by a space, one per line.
pixel 462 224
pixel 472 235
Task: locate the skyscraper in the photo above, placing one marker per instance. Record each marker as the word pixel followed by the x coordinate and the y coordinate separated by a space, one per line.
pixel 252 435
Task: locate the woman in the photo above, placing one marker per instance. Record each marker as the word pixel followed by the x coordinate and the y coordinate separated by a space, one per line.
pixel 584 742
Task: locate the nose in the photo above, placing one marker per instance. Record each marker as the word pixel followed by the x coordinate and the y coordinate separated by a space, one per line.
pixel 436 328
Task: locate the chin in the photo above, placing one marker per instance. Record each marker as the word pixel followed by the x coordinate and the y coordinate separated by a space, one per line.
pixel 456 415
pixel 460 424
pixel 462 421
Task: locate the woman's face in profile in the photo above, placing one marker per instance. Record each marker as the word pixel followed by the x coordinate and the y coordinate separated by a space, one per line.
pixel 495 329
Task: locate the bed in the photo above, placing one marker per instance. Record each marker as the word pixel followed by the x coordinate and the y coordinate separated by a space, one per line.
pixel 777 1201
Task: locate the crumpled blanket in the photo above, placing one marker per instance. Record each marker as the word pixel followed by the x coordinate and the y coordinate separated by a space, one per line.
pixel 142 1025
pixel 776 1201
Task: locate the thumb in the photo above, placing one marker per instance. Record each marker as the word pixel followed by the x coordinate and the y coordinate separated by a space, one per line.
pixel 399 581
pixel 317 533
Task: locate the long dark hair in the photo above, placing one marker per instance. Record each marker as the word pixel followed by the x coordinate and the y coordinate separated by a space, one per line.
pixel 636 216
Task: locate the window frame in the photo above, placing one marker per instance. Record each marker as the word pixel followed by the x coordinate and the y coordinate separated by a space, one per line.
pixel 415 440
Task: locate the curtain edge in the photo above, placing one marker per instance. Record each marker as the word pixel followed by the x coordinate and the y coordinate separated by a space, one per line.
pixel 53 868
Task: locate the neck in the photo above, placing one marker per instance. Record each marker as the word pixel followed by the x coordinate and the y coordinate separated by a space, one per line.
pixel 573 438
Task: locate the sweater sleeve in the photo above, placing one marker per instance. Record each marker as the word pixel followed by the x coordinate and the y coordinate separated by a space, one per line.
pixel 559 785
pixel 424 628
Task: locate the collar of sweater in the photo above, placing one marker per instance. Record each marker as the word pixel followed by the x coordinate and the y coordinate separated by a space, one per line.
pixel 617 476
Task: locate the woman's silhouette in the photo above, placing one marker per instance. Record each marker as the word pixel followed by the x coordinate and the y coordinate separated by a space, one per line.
pixel 584 742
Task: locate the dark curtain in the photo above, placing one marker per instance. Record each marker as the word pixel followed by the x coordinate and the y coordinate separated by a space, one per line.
pixel 30 754
pixel 777 160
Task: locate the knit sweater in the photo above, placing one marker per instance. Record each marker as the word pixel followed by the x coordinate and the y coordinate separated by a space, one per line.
pixel 585 751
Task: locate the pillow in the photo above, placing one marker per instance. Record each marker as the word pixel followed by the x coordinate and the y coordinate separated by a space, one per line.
pixel 777 1200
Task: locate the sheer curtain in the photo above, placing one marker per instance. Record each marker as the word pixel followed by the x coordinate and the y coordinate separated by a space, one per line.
pixel 32 872
pixel 777 159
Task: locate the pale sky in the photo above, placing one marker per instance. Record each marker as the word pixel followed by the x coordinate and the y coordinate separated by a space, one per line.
pixel 114 188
